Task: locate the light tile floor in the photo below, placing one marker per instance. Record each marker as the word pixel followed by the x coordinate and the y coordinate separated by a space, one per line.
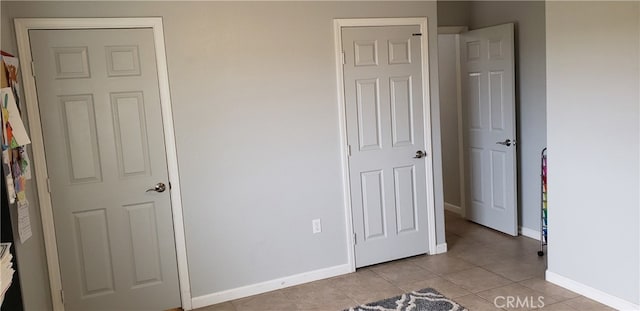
pixel 481 267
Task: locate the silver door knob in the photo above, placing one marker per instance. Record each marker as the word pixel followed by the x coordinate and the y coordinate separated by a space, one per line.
pixel 159 187
pixel 507 142
pixel 420 154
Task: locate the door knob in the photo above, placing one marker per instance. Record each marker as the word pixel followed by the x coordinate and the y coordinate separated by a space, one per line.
pixel 159 187
pixel 420 154
pixel 507 142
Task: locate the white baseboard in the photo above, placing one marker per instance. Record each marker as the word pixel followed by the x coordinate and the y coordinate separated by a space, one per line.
pixel 259 288
pixel 530 233
pixel 441 248
pixel 590 292
pixel 453 208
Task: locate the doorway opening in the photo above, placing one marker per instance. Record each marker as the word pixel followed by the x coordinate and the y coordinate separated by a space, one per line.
pixel 478 115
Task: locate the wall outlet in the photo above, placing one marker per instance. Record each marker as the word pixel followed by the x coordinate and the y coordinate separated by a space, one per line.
pixel 316 225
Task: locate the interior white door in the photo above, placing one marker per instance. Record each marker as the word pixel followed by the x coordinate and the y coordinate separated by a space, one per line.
pixel 100 109
pixel 385 133
pixel 489 114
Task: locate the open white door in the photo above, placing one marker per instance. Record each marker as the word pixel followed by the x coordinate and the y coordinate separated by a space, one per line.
pixel 488 108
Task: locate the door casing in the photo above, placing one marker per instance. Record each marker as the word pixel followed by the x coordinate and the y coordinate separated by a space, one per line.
pixel 338 24
pixel 22 26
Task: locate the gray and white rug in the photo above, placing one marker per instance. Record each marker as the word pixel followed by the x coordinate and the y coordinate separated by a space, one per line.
pixel 427 299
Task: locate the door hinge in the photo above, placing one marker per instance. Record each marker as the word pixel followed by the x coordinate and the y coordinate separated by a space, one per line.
pixel 33 69
pixel 343 58
pixel 348 150
pixel 48 185
pixel 355 241
pixel 62 296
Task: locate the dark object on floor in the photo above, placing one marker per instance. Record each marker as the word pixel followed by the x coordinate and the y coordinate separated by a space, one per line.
pixel 426 299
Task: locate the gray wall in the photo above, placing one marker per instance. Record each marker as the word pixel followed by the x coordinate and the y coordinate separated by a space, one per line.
pixel 454 13
pixel 529 17
pixel 253 86
pixel 593 79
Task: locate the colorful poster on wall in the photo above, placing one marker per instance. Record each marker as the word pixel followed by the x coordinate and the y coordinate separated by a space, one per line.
pixel 16 165
pixel 10 69
pixel 12 65
pixel 15 133
pixel 14 137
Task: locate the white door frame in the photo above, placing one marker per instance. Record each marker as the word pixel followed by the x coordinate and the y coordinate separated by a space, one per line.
pixel 338 24
pixel 22 26
pixel 457 30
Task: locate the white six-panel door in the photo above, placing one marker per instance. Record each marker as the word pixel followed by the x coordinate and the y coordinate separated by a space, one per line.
pixel 104 143
pixel 488 108
pixel 385 130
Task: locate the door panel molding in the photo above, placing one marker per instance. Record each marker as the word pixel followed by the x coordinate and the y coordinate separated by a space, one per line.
pixel 22 26
pixel 338 24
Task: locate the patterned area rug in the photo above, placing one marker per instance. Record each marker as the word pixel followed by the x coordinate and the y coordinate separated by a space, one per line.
pixel 426 299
